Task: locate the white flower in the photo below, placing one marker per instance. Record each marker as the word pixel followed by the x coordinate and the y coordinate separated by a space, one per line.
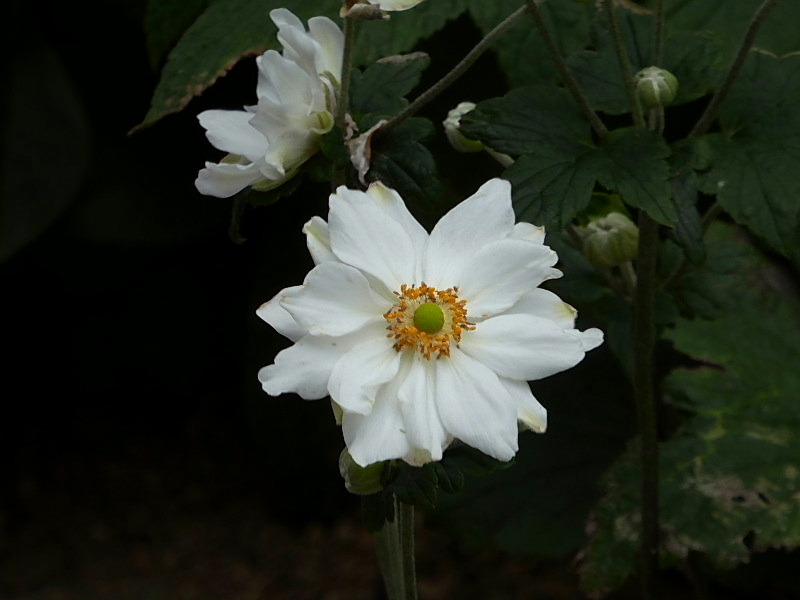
pixel 421 338
pixel 296 93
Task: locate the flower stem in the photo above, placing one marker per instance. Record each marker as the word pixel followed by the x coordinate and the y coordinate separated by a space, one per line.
pixel 707 118
pixel 343 100
pixel 624 64
pixel 644 344
pixel 455 72
pixel 395 546
pixel 569 80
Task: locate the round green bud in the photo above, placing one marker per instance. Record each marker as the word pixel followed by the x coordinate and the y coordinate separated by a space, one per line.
pixel 429 317
pixel 359 480
pixel 656 87
pixel 610 240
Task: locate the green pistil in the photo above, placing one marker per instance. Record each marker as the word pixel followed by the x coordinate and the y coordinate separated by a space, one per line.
pixel 429 318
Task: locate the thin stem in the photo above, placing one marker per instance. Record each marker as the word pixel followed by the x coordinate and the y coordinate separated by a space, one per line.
pixel 407 541
pixel 343 100
pixel 644 344
pixel 624 64
pixel 569 80
pixel 710 113
pixel 658 45
pixel 455 72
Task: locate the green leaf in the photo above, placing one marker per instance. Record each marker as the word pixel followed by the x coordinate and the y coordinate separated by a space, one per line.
pixel 381 89
pixel 416 485
pixel 731 470
pixel 165 22
pixel 568 22
pixel 757 156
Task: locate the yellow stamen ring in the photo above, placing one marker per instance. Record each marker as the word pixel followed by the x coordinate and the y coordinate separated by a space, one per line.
pixel 427 320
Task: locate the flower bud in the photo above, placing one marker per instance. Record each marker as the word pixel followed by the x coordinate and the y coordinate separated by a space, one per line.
pixel 610 240
pixel 452 128
pixel 359 480
pixel 656 87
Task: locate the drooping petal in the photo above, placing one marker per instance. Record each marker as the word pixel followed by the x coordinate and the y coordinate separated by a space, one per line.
pixel 501 273
pixel 364 235
pixel 475 407
pixel 273 313
pixel 358 374
pixel 523 346
pixel 529 412
pixel 223 180
pixel 379 435
pixel 481 219
pixel 230 131
pixel 336 299
pixel 318 240
pixel 545 304
pixel 424 429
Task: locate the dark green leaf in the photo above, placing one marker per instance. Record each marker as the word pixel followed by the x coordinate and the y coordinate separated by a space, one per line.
pixel 757 157
pixel 165 22
pixel 416 485
pixel 688 227
pixel 381 89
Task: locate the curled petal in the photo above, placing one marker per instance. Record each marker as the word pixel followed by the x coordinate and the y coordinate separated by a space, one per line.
pixel 231 131
pixel 223 180
pixel 543 303
pixel 273 313
pixel 318 240
pixel 529 412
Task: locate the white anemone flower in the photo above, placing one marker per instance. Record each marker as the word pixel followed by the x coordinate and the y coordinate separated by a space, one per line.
pixel 296 92
pixel 424 338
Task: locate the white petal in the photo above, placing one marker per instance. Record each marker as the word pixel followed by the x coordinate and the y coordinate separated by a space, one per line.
pixel 379 435
pixel 331 42
pixel 589 339
pixel 230 131
pixel 303 368
pixel 318 240
pixel 298 46
pixel 356 377
pixel 475 407
pixel 223 180
pixel 336 299
pixel 390 201
pixel 528 232
pixel 532 414
pixel 395 4
pixel 273 313
pixel 545 304
pixel 523 346
pixel 424 429
pixel 501 273
pixel 364 234
pixel 284 82
pixel 484 217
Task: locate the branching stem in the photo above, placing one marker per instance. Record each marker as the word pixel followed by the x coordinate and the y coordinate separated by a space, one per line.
pixel 624 64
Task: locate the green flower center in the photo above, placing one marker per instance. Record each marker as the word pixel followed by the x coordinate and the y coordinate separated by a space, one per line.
pixel 429 317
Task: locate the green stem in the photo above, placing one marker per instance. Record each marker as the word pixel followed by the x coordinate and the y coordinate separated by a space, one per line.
pixel 569 80
pixel 644 344
pixel 707 118
pixel 624 64
pixel 455 72
pixel 395 547
pixel 343 100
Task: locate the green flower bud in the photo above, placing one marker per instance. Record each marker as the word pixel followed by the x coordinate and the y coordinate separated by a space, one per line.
pixel 452 129
pixel 359 480
pixel 656 87
pixel 610 240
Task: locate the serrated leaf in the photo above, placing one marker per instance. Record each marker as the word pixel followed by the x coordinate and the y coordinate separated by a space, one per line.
pixel 568 22
pixel 688 226
pixel 757 157
pixel 416 486
pixel 731 469
pixel 381 89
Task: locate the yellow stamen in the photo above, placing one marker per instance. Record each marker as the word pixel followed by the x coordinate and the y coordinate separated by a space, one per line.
pixel 432 338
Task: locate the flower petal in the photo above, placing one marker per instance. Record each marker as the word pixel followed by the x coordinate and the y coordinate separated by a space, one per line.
pixel 475 407
pixel 358 374
pixel 379 435
pixel 303 368
pixel 318 240
pixel 528 232
pixel 336 299
pixel 364 234
pixel 589 339
pixel 223 180
pixel 424 429
pixel 230 131
pixel 532 414
pixel 395 4
pixel 331 42
pixel 273 313
pixel 545 304
pixel 524 346
pixel 390 201
pixel 501 273
pixel 484 217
